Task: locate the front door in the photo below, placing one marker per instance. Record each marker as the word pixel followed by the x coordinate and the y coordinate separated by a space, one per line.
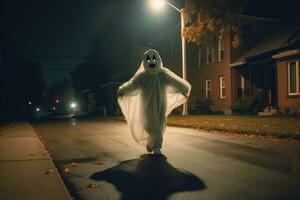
pixel 264 80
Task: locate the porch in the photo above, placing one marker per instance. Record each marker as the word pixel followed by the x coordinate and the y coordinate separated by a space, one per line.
pixel 257 80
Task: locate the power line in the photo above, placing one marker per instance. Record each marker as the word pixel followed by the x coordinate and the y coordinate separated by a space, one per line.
pixel 58 69
pixel 64 64
pixel 58 57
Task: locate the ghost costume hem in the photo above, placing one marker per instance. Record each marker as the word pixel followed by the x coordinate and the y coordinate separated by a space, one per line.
pixel 149 97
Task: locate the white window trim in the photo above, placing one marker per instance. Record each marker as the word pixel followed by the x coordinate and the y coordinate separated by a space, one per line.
pixel 212 55
pixel 206 88
pixel 222 78
pixel 219 49
pixel 200 56
pixel 297 79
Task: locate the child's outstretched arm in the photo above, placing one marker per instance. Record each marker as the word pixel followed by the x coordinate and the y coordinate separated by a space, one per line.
pixel 177 83
pixel 130 87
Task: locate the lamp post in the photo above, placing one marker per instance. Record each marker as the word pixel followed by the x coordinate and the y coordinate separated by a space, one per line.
pixel 158 4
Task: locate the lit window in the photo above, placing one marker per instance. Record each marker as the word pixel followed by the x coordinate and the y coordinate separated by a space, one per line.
pixel 241 86
pixel 210 55
pixel 200 57
pixel 207 88
pixel 222 87
pixel 221 50
pixel 293 78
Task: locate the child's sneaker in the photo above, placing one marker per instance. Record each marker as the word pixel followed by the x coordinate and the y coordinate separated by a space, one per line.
pixel 149 148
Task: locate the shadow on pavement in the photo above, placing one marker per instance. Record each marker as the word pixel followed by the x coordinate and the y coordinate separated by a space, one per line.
pixel 149 177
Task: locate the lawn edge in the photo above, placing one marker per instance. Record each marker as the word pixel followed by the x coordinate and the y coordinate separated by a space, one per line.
pixel 275 135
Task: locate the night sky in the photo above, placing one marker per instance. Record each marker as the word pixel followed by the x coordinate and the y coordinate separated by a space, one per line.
pixel 59 33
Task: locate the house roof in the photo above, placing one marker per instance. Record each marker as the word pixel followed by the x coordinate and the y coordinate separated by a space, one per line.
pixel 286 53
pixel 280 41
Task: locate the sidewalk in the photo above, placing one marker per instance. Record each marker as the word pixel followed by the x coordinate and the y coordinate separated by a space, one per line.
pixel 26 170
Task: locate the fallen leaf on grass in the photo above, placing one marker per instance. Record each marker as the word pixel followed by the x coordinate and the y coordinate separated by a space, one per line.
pixel 98 162
pixel 93 185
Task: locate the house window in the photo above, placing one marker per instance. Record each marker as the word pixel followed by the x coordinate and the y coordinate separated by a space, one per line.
pixel 241 86
pixel 293 78
pixel 221 50
pixel 200 57
pixel 222 87
pixel 210 55
pixel 207 88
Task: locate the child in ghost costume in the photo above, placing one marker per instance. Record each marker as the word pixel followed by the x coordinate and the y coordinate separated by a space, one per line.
pixel 148 98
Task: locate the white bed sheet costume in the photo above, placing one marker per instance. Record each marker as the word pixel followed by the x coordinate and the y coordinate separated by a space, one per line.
pixel 149 97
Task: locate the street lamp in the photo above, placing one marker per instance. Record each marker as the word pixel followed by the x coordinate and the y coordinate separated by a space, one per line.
pixel 157 5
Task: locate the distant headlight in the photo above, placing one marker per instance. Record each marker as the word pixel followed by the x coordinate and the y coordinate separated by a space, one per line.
pixel 73 105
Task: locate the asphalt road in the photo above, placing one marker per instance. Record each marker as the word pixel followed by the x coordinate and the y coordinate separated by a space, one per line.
pixel 108 164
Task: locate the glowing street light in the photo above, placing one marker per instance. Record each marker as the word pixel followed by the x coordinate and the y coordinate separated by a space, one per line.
pixel 157 5
pixel 37 109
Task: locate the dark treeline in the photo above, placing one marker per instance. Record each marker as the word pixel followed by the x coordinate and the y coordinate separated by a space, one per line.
pixel 21 87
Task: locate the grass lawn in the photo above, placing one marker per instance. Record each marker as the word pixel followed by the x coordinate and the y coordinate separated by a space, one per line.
pixel 280 127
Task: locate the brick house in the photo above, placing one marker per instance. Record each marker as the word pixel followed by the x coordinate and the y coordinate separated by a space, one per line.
pixel 271 66
pixel 224 74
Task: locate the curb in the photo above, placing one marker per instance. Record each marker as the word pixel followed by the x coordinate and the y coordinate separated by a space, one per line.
pixel 39 137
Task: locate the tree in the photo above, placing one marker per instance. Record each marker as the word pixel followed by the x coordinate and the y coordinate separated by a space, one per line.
pixel 61 91
pixel 21 82
pixel 206 20
pixel 90 75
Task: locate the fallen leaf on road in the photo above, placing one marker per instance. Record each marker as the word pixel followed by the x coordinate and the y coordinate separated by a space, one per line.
pixel 74 164
pixel 93 185
pixel 67 171
pixel 98 162
pixel 78 175
pixel 49 171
